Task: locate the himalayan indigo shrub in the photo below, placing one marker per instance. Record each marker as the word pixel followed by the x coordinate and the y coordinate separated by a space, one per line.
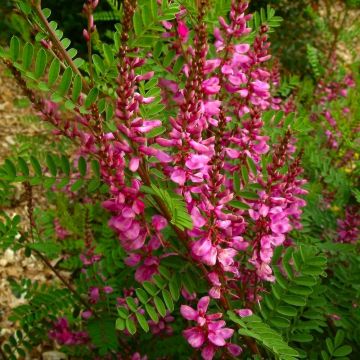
pixel 193 156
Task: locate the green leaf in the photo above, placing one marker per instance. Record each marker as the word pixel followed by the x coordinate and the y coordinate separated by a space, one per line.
pixel 152 313
pixel 160 306
pixel 120 324
pixel 91 97
pixel 137 22
pixel 329 345
pixel 280 322
pixel 252 165
pixel 27 57
pixel 65 165
pixel 302 337
pixel 108 53
pixel 294 300
pixel 169 58
pixel 10 168
pixel 23 166
pixel 142 321
pixel 131 303
pixel 36 166
pixel 342 351
pixel 287 310
pixel 174 289
pixel 149 287
pixel 51 164
pixel 76 89
pixel 95 167
pixel 339 338
pixel 82 166
pixel 77 185
pixel 248 195
pixel 99 64
pixel 40 64
pixel 65 82
pixel 142 295
pixel 54 71
pixel 130 326
pixel 168 300
pixel 156 132
pixel 324 355
pixel 239 205
pixel 236 182
pixel 245 174
pixel 123 312
pixel 14 48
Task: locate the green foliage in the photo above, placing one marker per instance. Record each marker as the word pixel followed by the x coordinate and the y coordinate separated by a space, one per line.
pixel 58 172
pixel 253 327
pixel 174 203
pixel 155 300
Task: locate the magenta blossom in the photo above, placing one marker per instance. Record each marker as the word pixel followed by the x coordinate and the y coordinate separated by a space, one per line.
pixel 209 331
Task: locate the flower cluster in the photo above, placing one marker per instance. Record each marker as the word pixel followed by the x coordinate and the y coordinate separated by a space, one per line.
pixel 329 92
pixel 209 333
pixel 65 336
pixel 349 227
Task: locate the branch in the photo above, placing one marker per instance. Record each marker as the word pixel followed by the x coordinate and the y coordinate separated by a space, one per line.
pixel 57 42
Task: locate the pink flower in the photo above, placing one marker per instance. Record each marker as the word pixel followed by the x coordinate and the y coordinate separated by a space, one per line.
pixel 209 330
pixel 244 312
pixel 159 222
pixel 178 176
pixel 94 295
pixel 107 289
pixel 211 85
pixel 183 31
pixel 195 162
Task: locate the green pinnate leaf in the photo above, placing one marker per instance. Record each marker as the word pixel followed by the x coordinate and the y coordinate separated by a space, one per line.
pixel 36 165
pixel 65 82
pixel 40 64
pixel 14 48
pixel 23 166
pixel 168 300
pixel 120 324
pixel 51 164
pixel 82 166
pixel 28 53
pixel 77 87
pixel 54 71
pixel 142 295
pixel 342 351
pixel 91 97
pixel 152 313
pixel 131 303
pixel 160 306
pixel 130 326
pixel 142 321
